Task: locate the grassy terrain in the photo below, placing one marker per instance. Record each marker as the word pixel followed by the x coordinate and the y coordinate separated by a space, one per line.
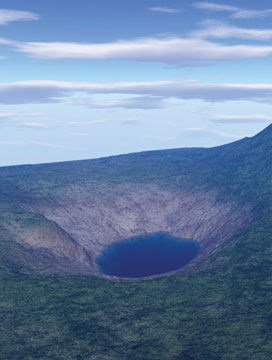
pixel 222 311
pixel 219 311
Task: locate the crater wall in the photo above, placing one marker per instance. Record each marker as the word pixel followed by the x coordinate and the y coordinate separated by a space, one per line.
pixel 95 220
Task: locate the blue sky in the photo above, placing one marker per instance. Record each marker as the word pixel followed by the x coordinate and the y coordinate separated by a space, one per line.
pixel 84 79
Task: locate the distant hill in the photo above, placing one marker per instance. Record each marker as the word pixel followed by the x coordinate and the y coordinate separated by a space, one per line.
pixel 56 218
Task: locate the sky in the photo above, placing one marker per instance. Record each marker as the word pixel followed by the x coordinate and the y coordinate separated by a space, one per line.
pixel 86 79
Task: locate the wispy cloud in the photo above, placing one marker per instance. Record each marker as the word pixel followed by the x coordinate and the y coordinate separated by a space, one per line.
pixel 125 121
pixel 129 121
pixel 31 142
pixel 10 142
pixel 237 12
pixel 164 9
pixel 241 118
pixel 170 50
pixel 140 102
pixel 160 138
pixel 8 115
pixel 4 41
pixel 222 30
pixel 31 124
pixel 208 131
pixel 46 91
pixel 45 144
pixel 252 14
pixel 214 6
pixel 84 123
pixel 7 16
pixel 17 119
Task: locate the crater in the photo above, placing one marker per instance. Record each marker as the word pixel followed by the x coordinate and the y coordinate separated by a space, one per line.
pixel 97 219
pixel 146 255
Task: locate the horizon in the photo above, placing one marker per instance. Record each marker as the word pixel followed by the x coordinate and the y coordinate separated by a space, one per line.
pixel 88 80
pixel 137 152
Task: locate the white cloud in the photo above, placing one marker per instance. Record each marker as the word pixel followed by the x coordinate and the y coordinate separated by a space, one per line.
pixel 171 50
pixel 241 118
pixel 214 6
pixel 140 102
pixel 14 118
pixel 34 125
pixel 45 91
pixel 237 12
pixel 164 10
pixel 7 16
pixel 251 14
pixel 221 30
pixel 125 121
pixel 92 122
pixel 10 115
pixel 7 42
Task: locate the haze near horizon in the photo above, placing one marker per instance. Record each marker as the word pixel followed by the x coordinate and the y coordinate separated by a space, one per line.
pixel 85 79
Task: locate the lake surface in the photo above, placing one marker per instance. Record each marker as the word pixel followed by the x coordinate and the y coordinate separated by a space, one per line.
pixel 146 255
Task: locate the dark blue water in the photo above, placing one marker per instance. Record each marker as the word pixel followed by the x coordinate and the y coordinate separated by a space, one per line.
pixel 146 255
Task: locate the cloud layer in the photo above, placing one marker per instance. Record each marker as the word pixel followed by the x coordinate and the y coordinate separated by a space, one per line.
pixel 139 102
pixel 45 91
pixel 169 50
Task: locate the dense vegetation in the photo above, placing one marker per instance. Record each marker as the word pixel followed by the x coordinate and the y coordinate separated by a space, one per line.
pixel 219 310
